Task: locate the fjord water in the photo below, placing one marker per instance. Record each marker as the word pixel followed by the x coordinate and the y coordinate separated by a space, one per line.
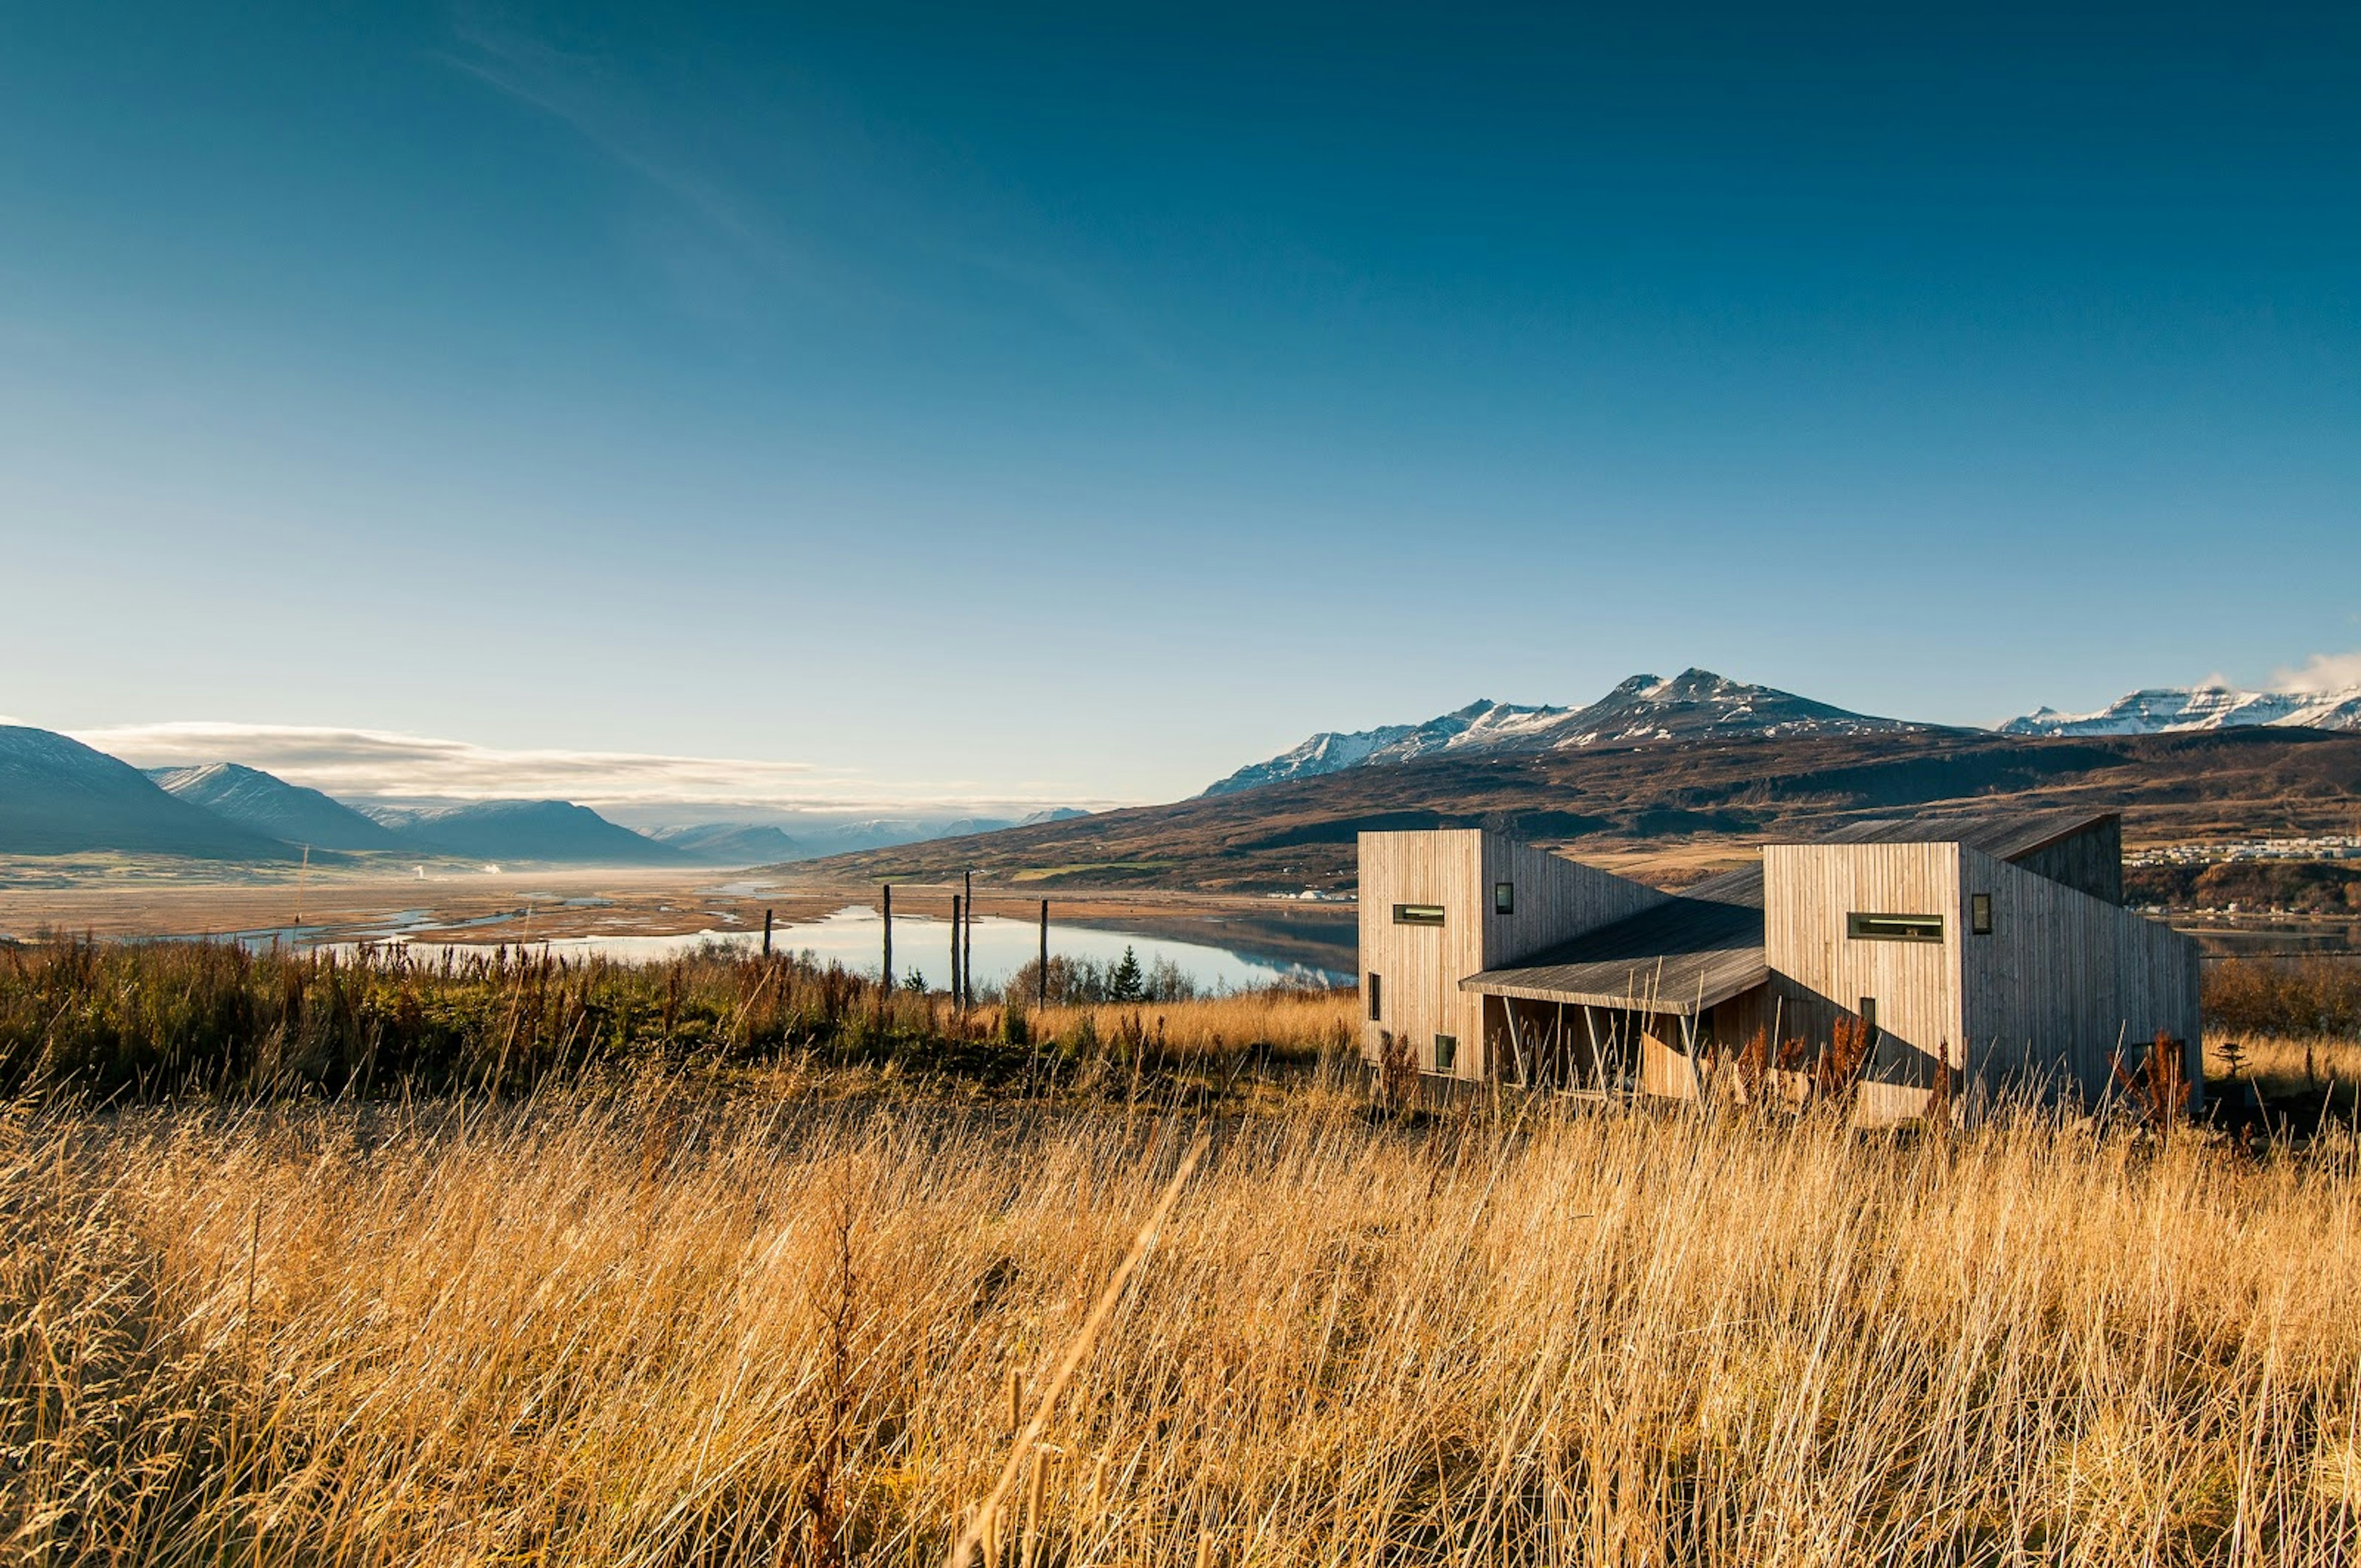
pixel 853 938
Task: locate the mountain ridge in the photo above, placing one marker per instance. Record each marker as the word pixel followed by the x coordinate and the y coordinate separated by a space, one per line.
pixel 291 813
pixel 1696 705
pixel 1302 833
pixel 733 843
pixel 59 796
pixel 2167 710
pixel 551 830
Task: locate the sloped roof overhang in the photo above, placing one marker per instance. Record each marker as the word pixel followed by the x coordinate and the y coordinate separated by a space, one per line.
pixel 1696 950
pixel 1632 989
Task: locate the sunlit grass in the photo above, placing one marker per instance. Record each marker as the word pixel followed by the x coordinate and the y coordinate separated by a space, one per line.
pixel 774 1275
pixel 663 1325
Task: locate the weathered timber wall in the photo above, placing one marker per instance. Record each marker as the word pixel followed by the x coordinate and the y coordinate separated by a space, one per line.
pixel 1819 973
pixel 2064 980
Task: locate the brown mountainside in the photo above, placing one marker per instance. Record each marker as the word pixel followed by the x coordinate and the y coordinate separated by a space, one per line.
pixel 1284 837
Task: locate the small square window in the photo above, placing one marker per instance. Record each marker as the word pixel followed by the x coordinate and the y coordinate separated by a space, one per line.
pixel 1980 914
pixel 1504 898
pixel 1418 914
pixel 1447 1053
pixel 1377 997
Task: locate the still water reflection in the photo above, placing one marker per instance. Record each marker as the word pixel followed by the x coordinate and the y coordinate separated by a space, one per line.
pixel 853 938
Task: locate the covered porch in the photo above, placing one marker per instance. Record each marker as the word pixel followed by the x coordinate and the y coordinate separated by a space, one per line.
pixel 1599 1046
pixel 1634 1007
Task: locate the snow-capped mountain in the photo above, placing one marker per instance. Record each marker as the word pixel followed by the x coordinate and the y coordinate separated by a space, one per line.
pixel 269 804
pixel 2161 709
pixel 1696 705
pixel 1331 751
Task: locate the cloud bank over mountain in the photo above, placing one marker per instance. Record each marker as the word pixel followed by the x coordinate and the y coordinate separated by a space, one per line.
pixel 2320 674
pixel 379 764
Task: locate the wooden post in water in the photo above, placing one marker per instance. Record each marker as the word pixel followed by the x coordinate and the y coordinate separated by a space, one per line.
pixel 967 944
pixel 956 992
pixel 1041 984
pixel 889 936
pixel 767 933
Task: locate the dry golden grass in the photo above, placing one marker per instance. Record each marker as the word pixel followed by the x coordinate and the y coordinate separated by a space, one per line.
pixel 648 1328
pixel 1290 1025
pixel 2286 1065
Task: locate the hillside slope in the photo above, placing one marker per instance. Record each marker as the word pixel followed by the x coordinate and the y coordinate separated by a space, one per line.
pixel 1300 833
pixel 59 796
pixel 271 805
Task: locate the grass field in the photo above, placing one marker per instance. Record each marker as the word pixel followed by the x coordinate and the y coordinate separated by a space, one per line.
pixel 764 1297
pixel 656 1326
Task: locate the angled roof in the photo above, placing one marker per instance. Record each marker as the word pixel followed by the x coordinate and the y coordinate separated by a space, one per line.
pixel 1705 944
pixel 2004 835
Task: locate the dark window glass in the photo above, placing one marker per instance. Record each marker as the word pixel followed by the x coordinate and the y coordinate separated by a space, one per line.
pixel 1418 914
pixel 1895 928
pixel 1377 997
pixel 1447 1053
pixel 1504 898
pixel 1980 914
pixel 1869 1012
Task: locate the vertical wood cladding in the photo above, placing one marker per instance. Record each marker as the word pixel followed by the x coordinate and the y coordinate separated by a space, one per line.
pixel 1456 869
pixel 2065 979
pixel 1820 974
pixel 2090 860
pixel 1422 965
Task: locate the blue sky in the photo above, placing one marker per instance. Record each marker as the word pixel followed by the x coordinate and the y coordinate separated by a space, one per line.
pixel 1018 404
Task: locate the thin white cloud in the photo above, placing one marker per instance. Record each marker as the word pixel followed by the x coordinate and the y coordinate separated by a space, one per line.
pixel 379 764
pixel 787 245
pixel 2320 673
pixel 573 90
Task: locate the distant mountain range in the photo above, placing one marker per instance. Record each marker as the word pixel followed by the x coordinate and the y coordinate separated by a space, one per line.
pixel 731 843
pixel 1717 801
pixel 546 830
pixel 818 839
pixel 2165 709
pixel 59 796
pixel 549 831
pixel 1696 705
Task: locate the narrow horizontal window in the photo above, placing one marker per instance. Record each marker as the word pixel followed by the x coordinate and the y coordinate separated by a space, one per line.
pixel 1980 914
pixel 1504 898
pixel 1418 914
pixel 1447 1053
pixel 1895 928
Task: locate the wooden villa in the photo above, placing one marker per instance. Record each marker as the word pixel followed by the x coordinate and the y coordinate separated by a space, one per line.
pixel 1995 945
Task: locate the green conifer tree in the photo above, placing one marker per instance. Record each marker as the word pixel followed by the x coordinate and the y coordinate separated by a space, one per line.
pixel 1125 984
